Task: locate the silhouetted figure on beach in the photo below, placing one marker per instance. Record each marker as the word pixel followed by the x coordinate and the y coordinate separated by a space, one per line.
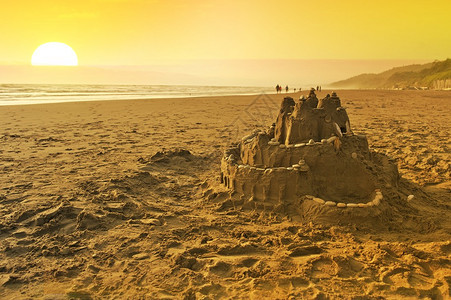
pixel 277 89
pixel 286 89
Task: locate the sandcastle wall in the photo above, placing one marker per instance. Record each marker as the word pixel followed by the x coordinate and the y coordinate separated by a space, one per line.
pixel 273 173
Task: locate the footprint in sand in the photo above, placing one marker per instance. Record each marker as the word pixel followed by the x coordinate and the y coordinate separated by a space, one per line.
pixel 293 283
pixel 324 268
pixel 222 269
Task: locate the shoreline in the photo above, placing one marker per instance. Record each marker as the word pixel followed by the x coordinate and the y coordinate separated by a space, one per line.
pixel 123 99
pixel 37 94
pixel 6 103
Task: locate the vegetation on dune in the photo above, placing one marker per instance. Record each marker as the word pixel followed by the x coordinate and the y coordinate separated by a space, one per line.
pixel 413 76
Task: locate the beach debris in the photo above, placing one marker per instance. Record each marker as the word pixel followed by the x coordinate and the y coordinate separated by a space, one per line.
pixel 319 200
pixel 337 145
pixel 410 198
pixel 303 167
pixel 338 130
pixel 332 139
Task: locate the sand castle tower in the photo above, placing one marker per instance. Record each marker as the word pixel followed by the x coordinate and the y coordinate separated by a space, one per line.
pixel 309 154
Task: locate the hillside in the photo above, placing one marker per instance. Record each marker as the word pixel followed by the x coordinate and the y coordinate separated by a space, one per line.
pixel 435 75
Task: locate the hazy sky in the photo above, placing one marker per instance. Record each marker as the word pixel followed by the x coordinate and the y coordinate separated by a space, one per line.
pixel 140 32
pixel 221 42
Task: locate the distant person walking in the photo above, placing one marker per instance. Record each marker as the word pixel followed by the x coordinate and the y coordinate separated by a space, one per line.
pixel 286 89
pixel 278 88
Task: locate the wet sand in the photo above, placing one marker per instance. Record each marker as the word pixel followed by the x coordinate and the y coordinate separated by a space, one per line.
pixel 121 199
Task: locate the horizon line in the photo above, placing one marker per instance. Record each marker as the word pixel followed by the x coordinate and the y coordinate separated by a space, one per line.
pixel 229 59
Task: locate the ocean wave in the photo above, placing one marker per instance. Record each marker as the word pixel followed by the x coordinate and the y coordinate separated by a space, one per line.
pixel 17 94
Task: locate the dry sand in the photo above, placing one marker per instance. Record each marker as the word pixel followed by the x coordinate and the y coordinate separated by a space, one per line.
pixel 90 209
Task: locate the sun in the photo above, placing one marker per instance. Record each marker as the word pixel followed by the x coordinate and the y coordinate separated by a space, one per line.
pixel 54 54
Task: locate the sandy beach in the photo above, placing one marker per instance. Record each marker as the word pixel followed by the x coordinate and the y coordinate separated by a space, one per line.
pixel 122 200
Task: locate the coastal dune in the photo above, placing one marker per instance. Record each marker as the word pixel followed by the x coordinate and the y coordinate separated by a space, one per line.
pixel 123 199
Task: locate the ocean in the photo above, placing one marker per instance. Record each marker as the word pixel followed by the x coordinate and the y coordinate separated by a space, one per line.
pixel 26 94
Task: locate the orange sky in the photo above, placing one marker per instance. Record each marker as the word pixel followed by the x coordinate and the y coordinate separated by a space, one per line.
pixel 142 32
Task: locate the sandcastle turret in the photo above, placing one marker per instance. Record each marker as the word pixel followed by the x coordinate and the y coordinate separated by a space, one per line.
pixel 311 118
pixel 310 152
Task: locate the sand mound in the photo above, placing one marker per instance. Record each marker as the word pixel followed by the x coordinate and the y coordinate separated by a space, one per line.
pixel 167 156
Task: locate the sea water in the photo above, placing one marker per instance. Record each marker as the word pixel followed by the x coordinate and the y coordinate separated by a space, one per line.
pixel 24 94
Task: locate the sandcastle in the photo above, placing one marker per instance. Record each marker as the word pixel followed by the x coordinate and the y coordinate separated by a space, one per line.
pixel 309 154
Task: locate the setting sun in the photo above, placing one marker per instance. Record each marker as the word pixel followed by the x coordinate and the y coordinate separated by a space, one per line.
pixel 54 54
